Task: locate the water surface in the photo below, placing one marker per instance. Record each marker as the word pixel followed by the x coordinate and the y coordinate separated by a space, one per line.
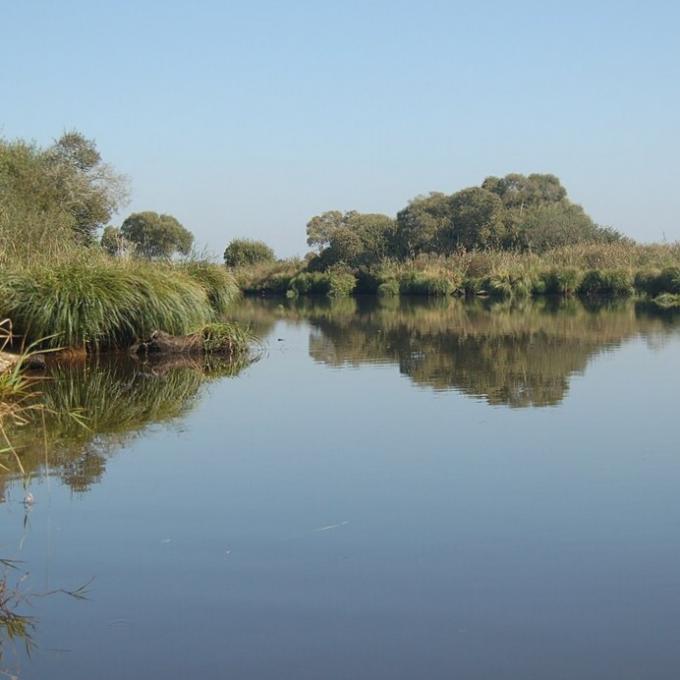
pixel 396 489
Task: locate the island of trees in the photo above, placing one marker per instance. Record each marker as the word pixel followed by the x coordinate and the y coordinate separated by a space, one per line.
pixel 516 235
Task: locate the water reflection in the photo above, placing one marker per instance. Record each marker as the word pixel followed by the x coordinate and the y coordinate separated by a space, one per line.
pixel 514 354
pixel 93 408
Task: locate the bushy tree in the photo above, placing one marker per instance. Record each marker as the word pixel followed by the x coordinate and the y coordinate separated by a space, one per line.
pixel 423 226
pixel 477 216
pixel 243 252
pixel 91 190
pixel 157 236
pixel 351 238
pixel 52 198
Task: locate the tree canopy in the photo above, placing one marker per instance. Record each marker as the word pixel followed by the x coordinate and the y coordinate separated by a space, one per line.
pixel 519 212
pixel 242 251
pixel 55 196
pixel 156 236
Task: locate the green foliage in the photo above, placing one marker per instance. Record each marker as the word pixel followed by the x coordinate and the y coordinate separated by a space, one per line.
pixel 564 281
pixel 112 241
pixel 310 283
pixel 341 283
pixel 54 197
pixel 228 339
pixel 477 219
pixel 353 239
pixel 416 283
pixel 219 285
pixel 103 302
pixel 389 288
pixel 612 282
pixel 246 252
pixel 156 236
pixel 423 226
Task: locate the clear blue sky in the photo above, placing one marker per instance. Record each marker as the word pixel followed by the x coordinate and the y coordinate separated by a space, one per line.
pixel 247 118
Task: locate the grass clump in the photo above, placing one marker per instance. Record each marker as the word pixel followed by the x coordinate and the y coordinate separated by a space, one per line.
pixel 104 302
pixel 228 339
pixel 218 283
pixel 389 288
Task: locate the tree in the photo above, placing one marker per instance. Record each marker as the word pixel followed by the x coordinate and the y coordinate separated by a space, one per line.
pixel 351 238
pixel 90 189
pixel 243 252
pixel 157 236
pixel 52 198
pixel 477 219
pixel 423 225
pixel 520 191
pixel 321 227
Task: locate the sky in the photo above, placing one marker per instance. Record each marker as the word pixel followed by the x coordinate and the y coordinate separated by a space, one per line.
pixel 248 118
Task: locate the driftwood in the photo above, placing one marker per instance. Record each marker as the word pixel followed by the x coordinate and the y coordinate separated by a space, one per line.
pixel 163 343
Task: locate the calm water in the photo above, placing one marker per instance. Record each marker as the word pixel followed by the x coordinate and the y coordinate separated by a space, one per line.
pixel 394 490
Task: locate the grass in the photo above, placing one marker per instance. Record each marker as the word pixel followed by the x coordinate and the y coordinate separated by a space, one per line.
pixel 589 270
pixel 91 301
pixel 227 339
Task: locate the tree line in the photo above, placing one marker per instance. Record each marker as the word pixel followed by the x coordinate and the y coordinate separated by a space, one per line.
pixel 516 212
pixel 65 194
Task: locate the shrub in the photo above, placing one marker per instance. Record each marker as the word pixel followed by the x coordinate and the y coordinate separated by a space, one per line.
pixel 242 252
pixel 341 283
pixel 310 283
pixel 564 281
pixel 648 281
pixel 610 282
pixel 389 288
pixel 669 280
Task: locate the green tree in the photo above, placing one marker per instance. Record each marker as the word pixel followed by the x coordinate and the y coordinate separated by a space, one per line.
pixel 90 189
pixel 423 226
pixel 351 238
pixel 157 236
pixel 321 227
pixel 477 216
pixel 243 252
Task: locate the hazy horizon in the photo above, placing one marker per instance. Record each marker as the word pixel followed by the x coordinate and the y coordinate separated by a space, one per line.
pixel 247 119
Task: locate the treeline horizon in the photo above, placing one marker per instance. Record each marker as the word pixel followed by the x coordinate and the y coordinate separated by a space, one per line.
pixel 524 213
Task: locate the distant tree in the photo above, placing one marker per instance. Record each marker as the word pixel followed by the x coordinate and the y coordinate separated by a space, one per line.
pixel 90 189
pixel 424 225
pixel 521 191
pixel 156 236
pixel 242 252
pixel 52 198
pixel 539 215
pixel 321 227
pixel 477 216
pixel 351 238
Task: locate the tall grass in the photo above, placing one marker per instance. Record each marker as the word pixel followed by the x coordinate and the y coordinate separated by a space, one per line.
pixel 95 301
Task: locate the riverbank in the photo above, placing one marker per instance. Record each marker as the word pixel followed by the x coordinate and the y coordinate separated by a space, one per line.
pixel 621 269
